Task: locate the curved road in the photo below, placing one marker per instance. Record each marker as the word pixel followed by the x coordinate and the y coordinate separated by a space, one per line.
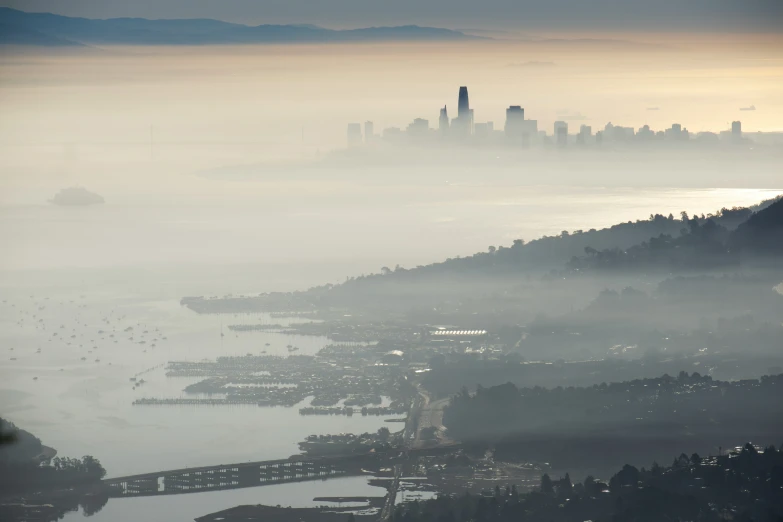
pixel 430 415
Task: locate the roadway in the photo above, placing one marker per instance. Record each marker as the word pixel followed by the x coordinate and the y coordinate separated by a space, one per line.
pixel 388 507
pixel 156 474
pixel 430 415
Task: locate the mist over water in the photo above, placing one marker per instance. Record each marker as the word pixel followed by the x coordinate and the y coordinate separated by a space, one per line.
pixel 223 155
pixel 268 246
pixel 223 174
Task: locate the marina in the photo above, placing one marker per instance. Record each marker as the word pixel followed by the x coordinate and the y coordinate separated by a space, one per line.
pixel 97 398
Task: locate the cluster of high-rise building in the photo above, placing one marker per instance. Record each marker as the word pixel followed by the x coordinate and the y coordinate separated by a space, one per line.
pixel 521 132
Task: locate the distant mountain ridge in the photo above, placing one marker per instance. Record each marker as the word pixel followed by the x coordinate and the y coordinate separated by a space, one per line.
pixel 46 29
pixel 661 245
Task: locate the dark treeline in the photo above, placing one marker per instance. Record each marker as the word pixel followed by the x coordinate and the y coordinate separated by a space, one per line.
pixel 17 445
pixel 744 486
pixel 762 231
pixel 702 245
pixel 450 374
pixel 550 251
pixel 699 247
pixel 553 250
pixel 687 244
pixel 624 420
pixel 26 467
pixel 544 275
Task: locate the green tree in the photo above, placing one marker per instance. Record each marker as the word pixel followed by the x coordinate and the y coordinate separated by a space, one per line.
pixel 546 484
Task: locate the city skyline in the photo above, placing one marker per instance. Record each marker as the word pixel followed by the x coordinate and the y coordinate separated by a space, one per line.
pixel 420 261
pixel 522 132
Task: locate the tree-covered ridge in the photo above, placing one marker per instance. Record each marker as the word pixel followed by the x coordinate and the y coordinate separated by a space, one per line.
pixel 492 271
pixel 703 245
pixel 17 445
pixel 762 232
pixel 22 470
pixel 664 243
pixel 550 251
pixel 692 405
pixel 699 247
pixel 745 485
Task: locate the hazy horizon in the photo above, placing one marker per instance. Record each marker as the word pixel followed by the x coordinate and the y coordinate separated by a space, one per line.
pixel 256 132
pixel 403 273
pixel 669 15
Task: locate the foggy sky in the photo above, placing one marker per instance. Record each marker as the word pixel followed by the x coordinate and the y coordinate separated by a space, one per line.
pixel 654 15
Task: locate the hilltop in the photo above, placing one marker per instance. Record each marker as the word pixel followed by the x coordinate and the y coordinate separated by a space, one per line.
pixel 560 274
pixel 47 30
pixel 76 197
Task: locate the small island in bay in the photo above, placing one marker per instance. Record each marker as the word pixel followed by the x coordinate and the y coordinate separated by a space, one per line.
pixel 76 197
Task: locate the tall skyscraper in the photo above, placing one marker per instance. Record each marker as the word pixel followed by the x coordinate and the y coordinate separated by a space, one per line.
pixel 369 131
pixel 515 123
pixel 483 130
pixel 585 134
pixel 736 130
pixel 354 134
pixel 418 128
pixel 463 123
pixel 676 132
pixel 561 133
pixel 645 133
pixel 519 131
pixel 463 107
pixel 514 112
pixel 443 121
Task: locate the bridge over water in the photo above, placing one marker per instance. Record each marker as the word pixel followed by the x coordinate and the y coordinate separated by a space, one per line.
pixel 261 473
pixel 231 476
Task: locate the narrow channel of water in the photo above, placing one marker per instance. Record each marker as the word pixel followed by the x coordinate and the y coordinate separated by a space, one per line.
pixel 184 508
